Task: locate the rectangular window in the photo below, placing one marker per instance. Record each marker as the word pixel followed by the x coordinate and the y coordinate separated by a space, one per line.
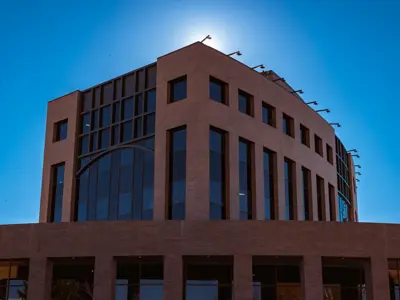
pixel 329 154
pixel 177 89
pixel 177 174
pixel 14 279
pixel 268 114
pixel 288 125
pixel 218 90
pixel 307 203
pixel 269 178
pixel 105 116
pixel 332 197
pixel 289 168
pixel 61 130
pixel 305 135
pixel 85 123
pixel 245 179
pixel 57 183
pixel 318 145
pixel 218 210
pixel 321 198
pixel 245 103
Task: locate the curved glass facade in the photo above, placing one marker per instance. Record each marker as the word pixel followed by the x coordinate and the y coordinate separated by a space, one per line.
pixel 117 186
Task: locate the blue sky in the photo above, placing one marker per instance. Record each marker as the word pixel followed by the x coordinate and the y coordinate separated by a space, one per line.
pixel 344 54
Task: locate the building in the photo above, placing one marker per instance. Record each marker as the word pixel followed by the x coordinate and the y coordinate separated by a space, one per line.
pixel 196 177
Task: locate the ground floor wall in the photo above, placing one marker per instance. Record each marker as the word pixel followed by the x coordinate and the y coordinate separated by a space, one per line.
pixel 312 242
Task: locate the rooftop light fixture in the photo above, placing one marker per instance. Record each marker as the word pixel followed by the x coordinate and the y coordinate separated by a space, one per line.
pixel 335 124
pixel 352 150
pixel 298 91
pixel 238 53
pixel 323 110
pixel 259 66
pixel 356 155
pixel 312 102
pixel 208 37
pixel 357 166
pixel 358 173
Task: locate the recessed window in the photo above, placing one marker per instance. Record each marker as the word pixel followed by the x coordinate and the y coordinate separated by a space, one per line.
pixel 61 130
pixel 127 109
pixel 288 125
pixel 329 154
pixel 318 145
pixel 289 173
pixel 246 179
pixel 307 202
pixel 305 135
pixel 150 101
pixel 269 184
pixel 85 123
pixel 245 103
pixel 218 172
pixel 177 89
pixel 57 173
pixel 321 198
pixel 218 90
pixel 332 198
pixel 105 116
pixel 268 114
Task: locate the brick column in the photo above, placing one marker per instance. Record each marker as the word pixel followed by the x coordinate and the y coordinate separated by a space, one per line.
pixel 243 277
pixel 104 278
pixel 173 277
pixel 377 278
pixel 40 277
pixel 312 278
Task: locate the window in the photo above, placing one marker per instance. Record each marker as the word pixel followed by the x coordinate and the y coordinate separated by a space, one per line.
pixel 288 125
pixel 269 185
pixel 127 109
pixel 139 279
pixel 85 123
pixel 218 90
pixel 307 202
pixel 105 116
pixel 208 278
pixel 289 171
pixel 268 114
pixel 150 101
pixel 394 278
pixel 177 174
pixel 177 89
pixel 318 145
pixel 321 198
pixel 61 129
pixel 217 174
pixel 305 135
pixel 245 179
pixel 57 184
pixel 14 279
pixel 245 103
pixel 332 210
pixel 329 154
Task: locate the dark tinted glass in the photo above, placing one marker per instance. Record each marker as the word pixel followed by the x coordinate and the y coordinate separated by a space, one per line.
pixel 62 130
pixel 126 129
pixel 85 123
pixel 138 105
pixel 217 90
pixel 84 144
pixel 94 143
pixel 104 138
pixel 177 174
pixel 268 114
pixel 178 89
pixel 138 128
pixel 149 124
pixel 127 109
pixel 116 112
pixel 150 105
pixel 217 174
pixel 244 103
pixel 105 116
pixel 306 193
pixel 269 185
pixel 95 119
pixel 245 179
pixel 57 193
pixel 289 209
pixel 115 135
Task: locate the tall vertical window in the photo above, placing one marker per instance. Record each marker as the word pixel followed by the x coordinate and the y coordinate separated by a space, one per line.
pixel 57 192
pixel 177 174
pixel 305 135
pixel 321 198
pixel 269 176
pixel 318 145
pixel 307 203
pixel 217 174
pixel 61 130
pixel 245 180
pixel 245 103
pixel 177 89
pixel 288 125
pixel 268 114
pixel 218 90
pixel 332 212
pixel 289 167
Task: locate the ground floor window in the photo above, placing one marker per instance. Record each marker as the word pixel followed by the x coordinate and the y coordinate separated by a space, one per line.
pixel 139 278
pixel 208 278
pixel 14 280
